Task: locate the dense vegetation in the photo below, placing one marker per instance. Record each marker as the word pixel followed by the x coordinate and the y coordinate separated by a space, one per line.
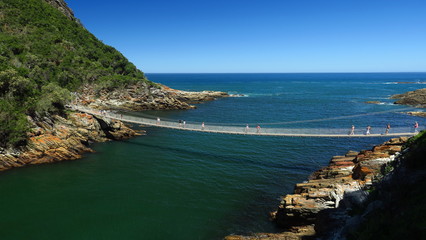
pixel 402 197
pixel 43 56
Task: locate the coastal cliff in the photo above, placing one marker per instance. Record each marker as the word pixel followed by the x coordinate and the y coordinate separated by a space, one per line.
pixel 56 138
pixel 342 200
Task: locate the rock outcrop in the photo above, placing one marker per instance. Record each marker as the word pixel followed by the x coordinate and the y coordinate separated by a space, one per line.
pixel 297 233
pixel 415 98
pixel 56 138
pixel 373 102
pixel 320 205
pixel 143 96
pixel 62 6
pixel 418 114
pixel 194 97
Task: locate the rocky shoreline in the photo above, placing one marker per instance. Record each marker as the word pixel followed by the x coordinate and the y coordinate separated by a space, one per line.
pixel 56 138
pixel 320 207
pixel 59 138
pixel 416 98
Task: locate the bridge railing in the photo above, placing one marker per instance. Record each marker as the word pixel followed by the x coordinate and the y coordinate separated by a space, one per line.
pixel 242 129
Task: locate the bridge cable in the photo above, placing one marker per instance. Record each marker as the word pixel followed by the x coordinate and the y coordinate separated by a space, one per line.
pixel 280 123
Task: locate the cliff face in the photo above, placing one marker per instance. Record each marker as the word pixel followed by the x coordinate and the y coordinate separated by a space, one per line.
pixel 55 139
pixel 62 6
pixel 395 208
pixel 319 208
pixel 323 201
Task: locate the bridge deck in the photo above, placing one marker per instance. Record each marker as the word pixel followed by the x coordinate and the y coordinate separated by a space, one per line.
pixel 284 132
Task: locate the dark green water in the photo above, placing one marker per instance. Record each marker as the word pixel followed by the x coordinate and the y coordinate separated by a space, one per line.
pixel 172 184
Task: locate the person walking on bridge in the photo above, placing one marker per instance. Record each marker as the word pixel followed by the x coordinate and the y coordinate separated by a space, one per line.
pixel 202 126
pixel 387 129
pixel 247 128
pixel 352 130
pixel 368 130
pixel 158 121
pixel 258 128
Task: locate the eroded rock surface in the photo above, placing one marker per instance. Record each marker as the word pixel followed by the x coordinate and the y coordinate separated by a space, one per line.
pixel 143 96
pixel 57 139
pixel 321 204
pixel 418 114
pixel 414 98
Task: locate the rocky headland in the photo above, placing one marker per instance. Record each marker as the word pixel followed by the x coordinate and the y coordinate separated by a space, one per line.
pixel 415 98
pixel 143 96
pixel 323 206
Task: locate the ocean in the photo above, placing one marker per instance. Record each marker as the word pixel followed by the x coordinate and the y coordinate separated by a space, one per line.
pixel 172 184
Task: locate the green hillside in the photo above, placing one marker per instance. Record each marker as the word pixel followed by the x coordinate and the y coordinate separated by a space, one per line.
pixel 43 56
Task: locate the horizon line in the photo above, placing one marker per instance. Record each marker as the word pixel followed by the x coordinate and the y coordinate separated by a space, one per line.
pixel 278 72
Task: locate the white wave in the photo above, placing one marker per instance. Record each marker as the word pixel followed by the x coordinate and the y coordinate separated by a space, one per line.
pixel 406 82
pixel 234 94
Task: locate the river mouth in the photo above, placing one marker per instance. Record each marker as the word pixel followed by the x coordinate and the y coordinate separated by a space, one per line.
pixel 172 184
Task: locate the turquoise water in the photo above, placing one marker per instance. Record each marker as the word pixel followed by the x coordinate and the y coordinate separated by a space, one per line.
pixel 173 184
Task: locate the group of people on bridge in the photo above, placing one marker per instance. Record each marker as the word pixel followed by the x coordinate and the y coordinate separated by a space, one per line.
pixel 246 129
pixel 182 124
pixel 388 127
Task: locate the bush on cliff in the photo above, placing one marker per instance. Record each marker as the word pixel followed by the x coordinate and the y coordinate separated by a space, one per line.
pixel 404 208
pixel 13 124
pixel 43 57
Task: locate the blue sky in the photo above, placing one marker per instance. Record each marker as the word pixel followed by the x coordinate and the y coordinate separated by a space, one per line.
pixel 169 36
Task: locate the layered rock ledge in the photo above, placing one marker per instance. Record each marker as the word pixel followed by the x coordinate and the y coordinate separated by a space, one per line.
pixel 56 138
pixel 320 205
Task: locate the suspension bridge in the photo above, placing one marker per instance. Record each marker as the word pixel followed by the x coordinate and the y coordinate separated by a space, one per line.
pixel 249 130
